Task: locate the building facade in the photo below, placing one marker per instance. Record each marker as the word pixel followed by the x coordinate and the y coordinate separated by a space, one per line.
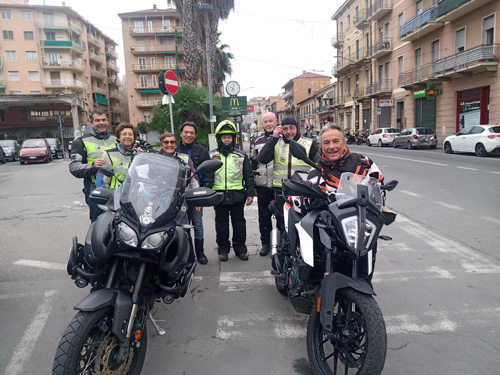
pixel 152 42
pixel 427 63
pixel 56 67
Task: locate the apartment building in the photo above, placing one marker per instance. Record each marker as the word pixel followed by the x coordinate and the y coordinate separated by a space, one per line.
pixel 318 109
pixel 54 63
pixel 427 63
pixel 152 41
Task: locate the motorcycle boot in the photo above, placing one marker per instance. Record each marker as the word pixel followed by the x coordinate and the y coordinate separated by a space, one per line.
pixel 266 248
pixel 200 252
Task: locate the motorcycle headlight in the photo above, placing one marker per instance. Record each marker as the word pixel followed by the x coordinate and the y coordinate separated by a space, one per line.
pixel 350 227
pixel 127 235
pixel 155 240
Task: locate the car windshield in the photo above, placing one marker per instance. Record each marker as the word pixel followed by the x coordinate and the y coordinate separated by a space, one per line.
pixel 494 129
pixel 33 144
pixel 425 131
pixel 392 130
pixel 348 187
pixel 153 188
pixel 8 143
pixel 51 141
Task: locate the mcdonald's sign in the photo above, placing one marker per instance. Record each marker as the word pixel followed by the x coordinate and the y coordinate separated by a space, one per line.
pixel 234 105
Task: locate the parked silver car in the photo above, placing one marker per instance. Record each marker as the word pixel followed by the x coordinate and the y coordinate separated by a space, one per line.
pixel 415 137
pixel 11 149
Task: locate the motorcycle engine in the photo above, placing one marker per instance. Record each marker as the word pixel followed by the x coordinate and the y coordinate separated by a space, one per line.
pixel 297 276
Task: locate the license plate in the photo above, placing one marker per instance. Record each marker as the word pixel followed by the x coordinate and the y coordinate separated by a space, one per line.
pixel 32 157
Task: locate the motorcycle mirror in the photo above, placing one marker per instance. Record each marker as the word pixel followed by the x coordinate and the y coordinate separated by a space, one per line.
pixel 107 170
pixel 209 166
pixel 299 152
pixel 390 185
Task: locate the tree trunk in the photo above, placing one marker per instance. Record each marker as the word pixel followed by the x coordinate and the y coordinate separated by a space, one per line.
pixel 190 50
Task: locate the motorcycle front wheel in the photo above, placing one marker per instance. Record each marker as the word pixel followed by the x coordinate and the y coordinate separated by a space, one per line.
pixel 88 347
pixel 358 342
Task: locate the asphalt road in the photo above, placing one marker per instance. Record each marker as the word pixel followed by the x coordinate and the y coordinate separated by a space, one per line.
pixel 437 281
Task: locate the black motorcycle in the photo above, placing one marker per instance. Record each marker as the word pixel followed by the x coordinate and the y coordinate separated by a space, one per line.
pixel 362 139
pixel 138 252
pixel 350 138
pixel 324 264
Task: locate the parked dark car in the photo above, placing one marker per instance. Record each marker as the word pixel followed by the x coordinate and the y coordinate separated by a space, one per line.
pixel 34 150
pixel 56 147
pixel 312 134
pixel 11 149
pixel 415 137
pixel 2 155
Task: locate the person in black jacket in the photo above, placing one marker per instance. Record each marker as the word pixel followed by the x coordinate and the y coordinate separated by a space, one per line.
pixel 198 154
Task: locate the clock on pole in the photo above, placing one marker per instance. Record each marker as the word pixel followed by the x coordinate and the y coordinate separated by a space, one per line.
pixel 233 88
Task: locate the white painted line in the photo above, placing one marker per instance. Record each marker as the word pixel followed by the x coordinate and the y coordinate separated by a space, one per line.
pixel 450 206
pixel 410 193
pixel 40 264
pixel 495 172
pixel 29 340
pixel 406 159
pixel 17 295
pixel 409 323
pixel 470 169
pixel 238 281
pixel 407 275
pixel 492 219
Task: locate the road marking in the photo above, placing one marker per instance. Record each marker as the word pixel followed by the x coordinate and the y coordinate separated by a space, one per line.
pixel 450 206
pixel 40 264
pixel 404 276
pixel 410 193
pixel 495 172
pixel 29 340
pixel 492 219
pixel 239 281
pixel 409 323
pixel 17 295
pixel 406 159
pixel 470 169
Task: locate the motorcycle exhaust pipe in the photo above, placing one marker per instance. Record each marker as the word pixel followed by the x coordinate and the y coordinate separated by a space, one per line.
pixel 274 241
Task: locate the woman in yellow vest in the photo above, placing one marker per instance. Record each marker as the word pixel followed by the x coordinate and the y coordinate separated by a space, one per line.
pixel 235 180
pixel 119 157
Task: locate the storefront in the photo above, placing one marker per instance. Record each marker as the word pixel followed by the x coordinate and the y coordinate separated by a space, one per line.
pixel 425 108
pixel 472 107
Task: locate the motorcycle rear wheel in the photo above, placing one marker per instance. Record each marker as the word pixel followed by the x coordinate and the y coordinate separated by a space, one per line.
pixel 88 347
pixel 358 343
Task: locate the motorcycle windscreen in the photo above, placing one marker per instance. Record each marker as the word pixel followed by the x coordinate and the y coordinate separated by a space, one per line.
pixel 153 189
pixel 348 188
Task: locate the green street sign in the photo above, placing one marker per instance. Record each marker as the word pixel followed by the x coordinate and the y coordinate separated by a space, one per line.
pixel 234 105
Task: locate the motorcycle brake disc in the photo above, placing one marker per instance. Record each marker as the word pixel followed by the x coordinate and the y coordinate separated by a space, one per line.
pixel 103 358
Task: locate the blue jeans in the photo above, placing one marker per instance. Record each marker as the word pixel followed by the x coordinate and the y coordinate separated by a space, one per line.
pixel 196 218
pixel 94 210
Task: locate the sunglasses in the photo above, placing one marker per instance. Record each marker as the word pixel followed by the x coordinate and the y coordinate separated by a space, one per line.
pixel 169 142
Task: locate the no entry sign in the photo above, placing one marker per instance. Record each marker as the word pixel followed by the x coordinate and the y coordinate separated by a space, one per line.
pixel 171 82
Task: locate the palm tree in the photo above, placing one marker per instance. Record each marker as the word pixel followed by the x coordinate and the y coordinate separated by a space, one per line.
pixel 222 65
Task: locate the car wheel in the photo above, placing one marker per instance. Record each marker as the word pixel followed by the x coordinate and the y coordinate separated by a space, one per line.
pixel 21 162
pixel 433 147
pixel 368 143
pixel 447 148
pixel 379 143
pixel 480 150
pixel 394 144
pixel 16 157
pixel 410 146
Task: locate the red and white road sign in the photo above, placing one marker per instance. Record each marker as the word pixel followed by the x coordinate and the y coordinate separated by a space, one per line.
pixel 171 82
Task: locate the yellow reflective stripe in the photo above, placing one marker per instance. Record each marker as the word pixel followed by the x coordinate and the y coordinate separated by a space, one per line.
pixel 237 176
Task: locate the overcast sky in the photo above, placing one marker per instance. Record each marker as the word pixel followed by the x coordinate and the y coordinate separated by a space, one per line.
pixel 273 41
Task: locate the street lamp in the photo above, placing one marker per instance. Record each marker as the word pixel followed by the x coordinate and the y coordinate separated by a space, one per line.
pixel 204 10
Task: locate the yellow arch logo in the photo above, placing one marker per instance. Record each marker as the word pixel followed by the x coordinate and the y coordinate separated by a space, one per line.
pixel 234 102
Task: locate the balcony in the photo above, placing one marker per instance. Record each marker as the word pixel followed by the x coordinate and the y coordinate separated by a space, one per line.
pixel 92 39
pixel 159 48
pixel 96 57
pixel 146 86
pixel 115 94
pixel 417 78
pixel 379 9
pixel 63 64
pixel 361 21
pixel 419 26
pixel 155 30
pixel 61 83
pixel 360 93
pixel 380 88
pixel 62 44
pixel 112 66
pixel 99 90
pixel 450 10
pixel 381 47
pixel 338 40
pixel 117 109
pixel 352 60
pixel 113 81
pixel 111 53
pixel 98 74
pixel 62 26
pixel 474 60
pixel 145 103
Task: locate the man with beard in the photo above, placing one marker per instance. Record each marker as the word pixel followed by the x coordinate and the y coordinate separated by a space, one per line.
pixel 264 181
pixel 277 149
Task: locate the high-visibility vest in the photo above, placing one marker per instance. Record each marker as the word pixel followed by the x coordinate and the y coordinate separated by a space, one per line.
pixel 121 164
pixel 285 164
pixel 95 147
pixel 230 175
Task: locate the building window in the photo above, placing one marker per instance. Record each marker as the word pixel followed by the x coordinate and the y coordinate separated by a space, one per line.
pixel 6 15
pixel 400 66
pixel 51 36
pixel 400 20
pixel 138 26
pixel 418 7
pixel 84 45
pixel 13 76
pixel 28 35
pixel 8 34
pixel 153 63
pixel 348 21
pixel 26 15
pixel 33 76
pixel 348 86
pixel 150 26
pixel 142 63
pixel 488 30
pixel 166 25
pixel 169 62
pixel 10 55
pixel 435 51
pixel 35 92
pixel 460 40
pixel 48 19
pixel 31 56
pixel 144 81
pixel 153 80
pixel 147 116
pixel 16 92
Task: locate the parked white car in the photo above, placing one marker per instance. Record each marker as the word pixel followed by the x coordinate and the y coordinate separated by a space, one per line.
pixel 479 139
pixel 382 137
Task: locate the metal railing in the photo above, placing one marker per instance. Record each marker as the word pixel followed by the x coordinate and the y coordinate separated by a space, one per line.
pixel 56 83
pixel 382 44
pixel 378 5
pixel 156 48
pixel 418 21
pixel 361 17
pixel 384 85
pixel 419 74
pixel 446 6
pixel 483 53
pixel 339 38
pixel 156 30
